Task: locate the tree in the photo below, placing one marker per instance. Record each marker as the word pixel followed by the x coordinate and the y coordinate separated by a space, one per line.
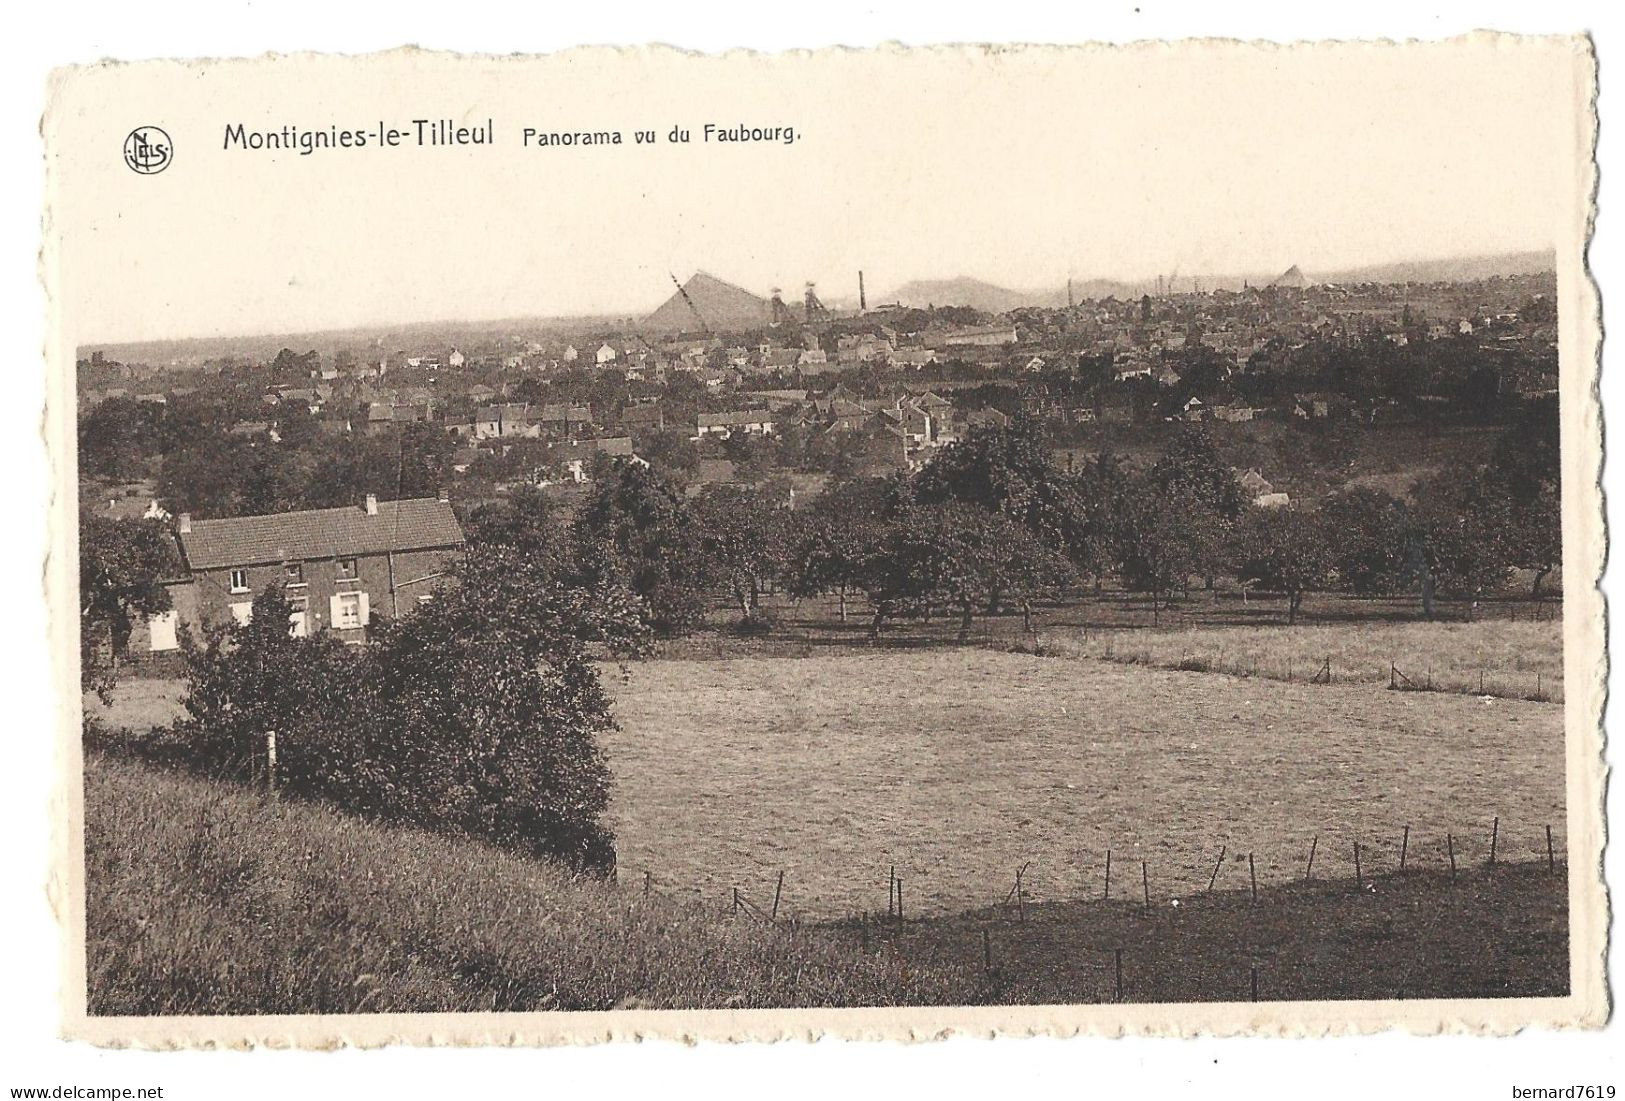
pixel 1527 467
pixel 1102 486
pixel 1009 471
pixel 1372 536
pixel 744 536
pixel 468 714
pixel 1163 538
pixel 1192 466
pixel 641 523
pixel 956 556
pixel 122 566
pixel 536 583
pixel 832 544
pixel 254 678
pixel 1285 550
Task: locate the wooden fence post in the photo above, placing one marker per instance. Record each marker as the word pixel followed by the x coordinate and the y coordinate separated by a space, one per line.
pixel 1450 847
pixel 1404 846
pixel 736 900
pixel 1108 892
pixel 1255 982
pixel 1214 878
pixel 646 883
pixel 1495 834
pixel 1252 874
pixel 270 761
pixel 1551 858
pixel 899 902
pixel 777 891
pixel 1309 871
pixel 1145 879
pixel 1359 880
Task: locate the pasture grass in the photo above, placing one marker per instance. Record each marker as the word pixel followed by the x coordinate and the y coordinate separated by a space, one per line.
pixel 210 899
pixel 956 766
pixel 1490 933
pixel 1519 660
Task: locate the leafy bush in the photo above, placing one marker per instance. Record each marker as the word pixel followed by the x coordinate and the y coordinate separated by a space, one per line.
pixel 466 715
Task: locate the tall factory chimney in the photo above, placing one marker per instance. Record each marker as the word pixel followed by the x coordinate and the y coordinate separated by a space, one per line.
pixel 863 303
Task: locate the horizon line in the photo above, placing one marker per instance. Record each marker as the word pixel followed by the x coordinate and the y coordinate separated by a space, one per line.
pixel 619 315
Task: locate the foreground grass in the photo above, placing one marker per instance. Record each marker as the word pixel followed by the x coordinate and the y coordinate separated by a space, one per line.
pixel 1519 660
pixel 204 899
pixel 1490 933
pixel 207 899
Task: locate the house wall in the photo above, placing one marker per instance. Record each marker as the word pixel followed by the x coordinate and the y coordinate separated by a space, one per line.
pixel 208 600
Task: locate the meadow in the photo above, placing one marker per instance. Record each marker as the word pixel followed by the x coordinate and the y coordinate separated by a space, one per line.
pixel 208 898
pixel 956 766
pixel 205 898
pixel 1515 659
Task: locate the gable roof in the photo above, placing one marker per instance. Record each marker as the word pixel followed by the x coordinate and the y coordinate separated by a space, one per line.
pixel 737 417
pixel 320 533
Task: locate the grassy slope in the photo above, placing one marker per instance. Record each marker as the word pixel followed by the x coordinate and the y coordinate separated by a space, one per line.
pixel 205 899
pixel 210 899
pixel 959 765
pixel 1489 934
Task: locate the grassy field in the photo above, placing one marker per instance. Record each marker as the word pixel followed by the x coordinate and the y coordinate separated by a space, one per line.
pixel 959 765
pixel 1487 934
pixel 1521 660
pixel 208 899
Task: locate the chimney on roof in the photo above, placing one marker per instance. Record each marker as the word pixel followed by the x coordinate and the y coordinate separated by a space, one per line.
pixel 372 504
pixel 184 523
pixel 444 494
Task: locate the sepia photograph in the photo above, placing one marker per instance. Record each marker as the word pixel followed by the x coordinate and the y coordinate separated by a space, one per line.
pixel 626 543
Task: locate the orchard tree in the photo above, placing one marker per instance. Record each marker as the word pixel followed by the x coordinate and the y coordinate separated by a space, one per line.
pixel 1191 467
pixel 1102 487
pixel 1527 467
pixel 957 556
pixel 1009 471
pixel 832 543
pixel 744 536
pixel 639 521
pixel 1285 550
pixel 122 566
pixel 1374 541
pixel 1164 537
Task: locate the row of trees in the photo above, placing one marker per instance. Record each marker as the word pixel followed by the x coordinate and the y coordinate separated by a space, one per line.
pixel 993 522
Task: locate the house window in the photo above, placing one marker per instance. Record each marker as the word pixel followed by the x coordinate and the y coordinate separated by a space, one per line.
pixel 347 611
pixel 239 581
pixel 347 569
pixel 293 573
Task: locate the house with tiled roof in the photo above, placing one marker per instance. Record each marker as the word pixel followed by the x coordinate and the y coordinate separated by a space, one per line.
pixel 338 567
pixel 755 422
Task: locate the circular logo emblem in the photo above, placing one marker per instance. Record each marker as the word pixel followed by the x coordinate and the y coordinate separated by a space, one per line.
pixel 147 150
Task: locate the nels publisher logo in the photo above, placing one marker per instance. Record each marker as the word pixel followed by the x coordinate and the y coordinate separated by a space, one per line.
pixel 147 150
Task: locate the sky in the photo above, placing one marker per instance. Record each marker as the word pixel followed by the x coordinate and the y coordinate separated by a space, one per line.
pixel 1022 168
